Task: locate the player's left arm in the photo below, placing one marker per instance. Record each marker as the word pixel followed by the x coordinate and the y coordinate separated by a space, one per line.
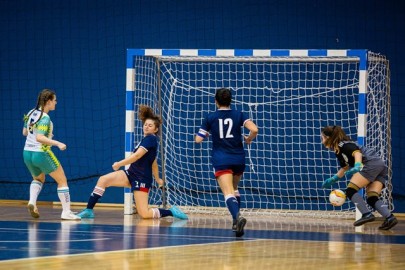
pixel 155 172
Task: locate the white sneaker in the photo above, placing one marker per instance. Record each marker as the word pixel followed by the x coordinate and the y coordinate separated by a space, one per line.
pixel 33 210
pixel 69 216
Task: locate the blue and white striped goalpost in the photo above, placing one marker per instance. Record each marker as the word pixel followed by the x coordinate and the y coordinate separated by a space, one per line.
pixel 131 77
pixel 129 127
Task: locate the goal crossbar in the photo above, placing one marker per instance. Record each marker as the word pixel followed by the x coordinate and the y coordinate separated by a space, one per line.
pixel 290 94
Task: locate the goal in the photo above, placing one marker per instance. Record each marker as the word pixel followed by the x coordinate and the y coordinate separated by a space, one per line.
pixel 289 94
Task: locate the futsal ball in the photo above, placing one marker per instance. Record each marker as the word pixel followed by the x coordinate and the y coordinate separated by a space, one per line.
pixel 337 197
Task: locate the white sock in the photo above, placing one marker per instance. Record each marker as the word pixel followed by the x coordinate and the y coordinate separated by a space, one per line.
pixel 64 197
pixel 35 189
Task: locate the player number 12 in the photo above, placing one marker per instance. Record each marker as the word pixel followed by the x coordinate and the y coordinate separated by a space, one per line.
pixel 225 122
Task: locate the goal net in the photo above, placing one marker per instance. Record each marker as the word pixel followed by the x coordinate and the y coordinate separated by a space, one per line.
pixel 290 95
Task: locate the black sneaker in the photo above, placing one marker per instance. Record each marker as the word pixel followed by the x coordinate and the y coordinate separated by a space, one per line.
pixel 240 224
pixel 389 222
pixel 234 225
pixel 368 217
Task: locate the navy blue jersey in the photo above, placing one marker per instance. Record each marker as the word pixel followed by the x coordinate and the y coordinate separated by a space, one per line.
pixel 224 125
pixel 347 150
pixel 142 168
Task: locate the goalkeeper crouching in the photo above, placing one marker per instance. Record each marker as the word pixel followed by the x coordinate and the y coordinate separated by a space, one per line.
pixel 365 169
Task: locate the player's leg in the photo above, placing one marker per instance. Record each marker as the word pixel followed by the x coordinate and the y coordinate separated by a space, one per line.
pixel 63 193
pixel 142 206
pixel 36 183
pixel 141 196
pixel 236 180
pixel 113 179
pixel 373 194
pixel 356 183
pixel 225 181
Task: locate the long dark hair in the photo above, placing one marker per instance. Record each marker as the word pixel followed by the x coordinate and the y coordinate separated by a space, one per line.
pixel 44 96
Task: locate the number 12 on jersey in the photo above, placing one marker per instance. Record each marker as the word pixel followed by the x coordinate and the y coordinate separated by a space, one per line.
pixel 225 123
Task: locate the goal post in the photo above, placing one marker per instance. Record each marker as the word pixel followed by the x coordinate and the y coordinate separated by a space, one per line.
pixel 289 94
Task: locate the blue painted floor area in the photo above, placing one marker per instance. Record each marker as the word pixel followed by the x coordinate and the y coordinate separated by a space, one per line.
pixel 30 239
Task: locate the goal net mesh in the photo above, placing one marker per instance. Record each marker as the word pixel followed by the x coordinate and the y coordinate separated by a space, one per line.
pixel 290 99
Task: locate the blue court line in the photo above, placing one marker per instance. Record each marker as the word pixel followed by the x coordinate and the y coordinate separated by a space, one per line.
pixel 38 239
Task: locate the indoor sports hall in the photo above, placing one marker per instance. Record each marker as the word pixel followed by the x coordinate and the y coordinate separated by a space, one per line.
pixel 293 68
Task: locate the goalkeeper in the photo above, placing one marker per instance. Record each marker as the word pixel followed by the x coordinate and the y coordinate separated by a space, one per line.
pixel 365 169
pixel 228 154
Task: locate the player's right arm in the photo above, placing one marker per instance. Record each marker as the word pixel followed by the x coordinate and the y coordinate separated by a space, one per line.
pixel 202 132
pixel 199 137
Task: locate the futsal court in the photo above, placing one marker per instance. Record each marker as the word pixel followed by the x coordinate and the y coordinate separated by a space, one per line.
pixel 117 241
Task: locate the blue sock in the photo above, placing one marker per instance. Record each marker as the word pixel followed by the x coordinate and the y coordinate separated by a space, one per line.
pixel 165 212
pixel 93 200
pixel 238 199
pixel 233 205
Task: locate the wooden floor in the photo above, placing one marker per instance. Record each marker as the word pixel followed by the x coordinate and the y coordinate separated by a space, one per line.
pixel 116 241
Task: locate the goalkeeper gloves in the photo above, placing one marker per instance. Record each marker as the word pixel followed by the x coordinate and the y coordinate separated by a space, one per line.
pixel 358 166
pixel 330 181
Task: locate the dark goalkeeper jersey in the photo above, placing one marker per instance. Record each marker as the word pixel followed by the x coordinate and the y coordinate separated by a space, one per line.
pixel 347 150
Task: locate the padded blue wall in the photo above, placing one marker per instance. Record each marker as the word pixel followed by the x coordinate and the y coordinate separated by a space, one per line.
pixel 78 48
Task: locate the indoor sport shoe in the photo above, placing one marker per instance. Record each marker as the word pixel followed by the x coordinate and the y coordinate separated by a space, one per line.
pixel 240 224
pixel 177 213
pixel 86 213
pixel 234 225
pixel 33 210
pixel 389 222
pixel 368 217
pixel 69 216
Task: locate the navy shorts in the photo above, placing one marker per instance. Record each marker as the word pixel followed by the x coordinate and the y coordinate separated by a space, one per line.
pixel 136 184
pixel 229 169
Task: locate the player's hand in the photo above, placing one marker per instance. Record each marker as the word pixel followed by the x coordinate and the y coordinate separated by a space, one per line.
pixel 116 166
pixel 160 183
pixel 247 140
pixel 61 146
pixel 330 181
pixel 358 166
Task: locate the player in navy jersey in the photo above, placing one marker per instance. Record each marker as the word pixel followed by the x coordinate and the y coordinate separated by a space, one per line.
pixel 143 165
pixel 365 168
pixel 228 155
pixel 38 156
